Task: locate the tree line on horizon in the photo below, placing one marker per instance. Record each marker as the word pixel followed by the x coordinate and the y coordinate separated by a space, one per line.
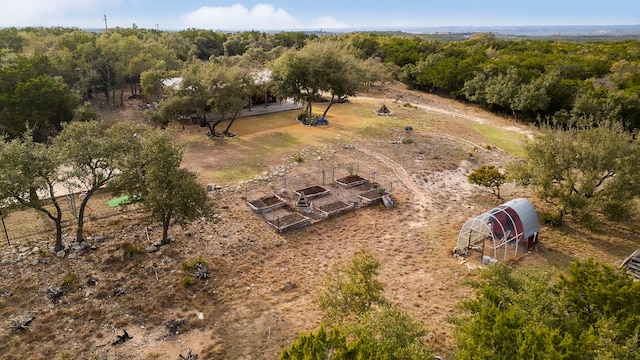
pixel 54 81
pixel 48 73
pixel 51 76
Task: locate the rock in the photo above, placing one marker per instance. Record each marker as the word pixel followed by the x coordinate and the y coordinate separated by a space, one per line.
pixel 211 186
pixel 98 239
pixel 35 250
pixel 151 249
pixel 75 246
pixel 118 291
pixel 24 249
pixel 92 281
pixel 188 233
pixel 61 253
pixel 34 262
pixel 93 247
pixel 72 255
pixel 84 245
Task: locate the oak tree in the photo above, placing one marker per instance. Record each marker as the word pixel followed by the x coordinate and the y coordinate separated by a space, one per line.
pixel 583 170
pixel 152 173
pixel 90 154
pixel 30 176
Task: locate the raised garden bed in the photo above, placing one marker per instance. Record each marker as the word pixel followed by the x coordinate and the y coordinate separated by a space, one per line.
pixel 289 221
pixel 334 208
pixel 351 181
pixel 267 203
pixel 371 195
pixel 312 191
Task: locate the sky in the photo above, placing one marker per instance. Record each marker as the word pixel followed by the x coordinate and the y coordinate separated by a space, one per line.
pixel 270 15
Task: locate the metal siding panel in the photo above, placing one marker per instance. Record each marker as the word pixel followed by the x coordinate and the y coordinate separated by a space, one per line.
pixel 527 214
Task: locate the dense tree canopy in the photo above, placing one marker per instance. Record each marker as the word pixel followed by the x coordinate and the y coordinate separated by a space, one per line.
pixel 589 313
pixel 321 66
pixel 31 97
pixel 364 325
pixel 531 79
pixel 583 170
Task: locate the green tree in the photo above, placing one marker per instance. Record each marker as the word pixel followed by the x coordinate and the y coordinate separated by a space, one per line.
pixel 151 83
pixel 152 172
pixel 351 290
pixel 31 96
pixel 319 66
pixel 391 333
pixel 372 327
pixel 582 170
pixel 29 175
pixel 228 91
pixel 321 345
pixel 348 75
pixel 90 154
pixel 588 313
pixel 488 176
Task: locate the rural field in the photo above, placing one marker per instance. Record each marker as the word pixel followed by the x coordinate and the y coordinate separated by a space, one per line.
pixel 263 287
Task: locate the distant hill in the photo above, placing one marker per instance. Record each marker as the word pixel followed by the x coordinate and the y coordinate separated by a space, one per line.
pixel 533 30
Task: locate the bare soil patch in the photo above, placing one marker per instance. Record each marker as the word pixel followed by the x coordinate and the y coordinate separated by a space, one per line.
pixel 263 285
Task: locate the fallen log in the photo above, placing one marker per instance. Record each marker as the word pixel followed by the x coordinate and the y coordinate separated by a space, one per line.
pixel 122 338
pixel 189 356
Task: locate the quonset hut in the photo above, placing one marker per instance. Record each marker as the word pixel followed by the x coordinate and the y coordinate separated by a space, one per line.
pixel 501 233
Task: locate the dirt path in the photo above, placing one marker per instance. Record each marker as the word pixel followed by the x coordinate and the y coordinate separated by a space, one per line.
pixel 420 198
pixel 448 107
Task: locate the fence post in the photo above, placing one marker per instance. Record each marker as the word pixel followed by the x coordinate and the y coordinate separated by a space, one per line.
pixel 4 226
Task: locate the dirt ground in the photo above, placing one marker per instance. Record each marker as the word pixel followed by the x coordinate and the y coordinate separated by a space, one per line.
pixel 263 286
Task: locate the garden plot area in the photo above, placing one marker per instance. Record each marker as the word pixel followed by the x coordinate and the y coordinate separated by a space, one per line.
pixel 296 201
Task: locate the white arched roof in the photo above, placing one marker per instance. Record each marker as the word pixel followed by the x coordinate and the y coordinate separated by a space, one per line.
pixel 506 224
pixel 527 214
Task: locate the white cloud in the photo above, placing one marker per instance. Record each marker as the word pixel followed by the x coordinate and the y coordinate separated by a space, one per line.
pixel 238 17
pixel 45 12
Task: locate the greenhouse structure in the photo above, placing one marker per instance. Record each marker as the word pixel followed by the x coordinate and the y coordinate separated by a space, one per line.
pixel 501 233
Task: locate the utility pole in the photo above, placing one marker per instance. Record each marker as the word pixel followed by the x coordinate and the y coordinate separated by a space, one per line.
pixel 104 18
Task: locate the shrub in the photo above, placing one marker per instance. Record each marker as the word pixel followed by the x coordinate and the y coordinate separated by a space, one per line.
pixel 192 265
pixel 618 211
pixel 550 219
pixel 131 250
pixel 589 220
pixel 187 281
pixel 488 176
pixel 68 279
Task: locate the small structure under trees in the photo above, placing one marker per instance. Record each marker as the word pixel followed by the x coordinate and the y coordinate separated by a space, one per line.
pixel 503 232
pixel 632 264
